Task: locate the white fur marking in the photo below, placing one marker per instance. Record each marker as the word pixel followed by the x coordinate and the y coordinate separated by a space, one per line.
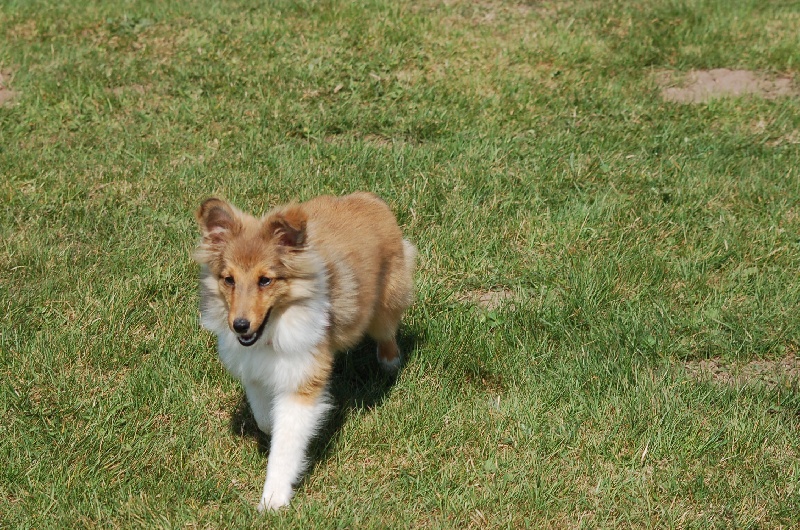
pixel 293 426
pixel 390 366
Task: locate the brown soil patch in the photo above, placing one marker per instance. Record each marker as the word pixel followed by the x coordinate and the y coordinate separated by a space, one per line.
pixel 25 31
pixel 770 373
pixel 6 94
pixel 791 138
pixel 699 86
pixel 131 89
pixel 489 300
pixel 373 139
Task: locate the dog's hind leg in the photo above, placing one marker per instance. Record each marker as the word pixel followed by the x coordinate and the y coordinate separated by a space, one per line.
pixel 398 293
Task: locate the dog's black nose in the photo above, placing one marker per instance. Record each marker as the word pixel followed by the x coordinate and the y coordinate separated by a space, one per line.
pixel 241 325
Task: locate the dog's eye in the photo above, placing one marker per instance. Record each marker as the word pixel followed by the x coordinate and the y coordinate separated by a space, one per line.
pixel 264 281
pixel 229 281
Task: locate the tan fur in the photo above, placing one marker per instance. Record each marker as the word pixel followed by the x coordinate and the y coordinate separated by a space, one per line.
pixel 249 252
pixel 317 381
pixel 354 238
pixel 362 246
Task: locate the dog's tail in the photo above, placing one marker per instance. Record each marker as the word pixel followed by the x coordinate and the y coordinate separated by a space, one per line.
pixel 410 255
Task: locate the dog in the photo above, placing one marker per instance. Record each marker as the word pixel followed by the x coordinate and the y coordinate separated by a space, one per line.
pixel 284 293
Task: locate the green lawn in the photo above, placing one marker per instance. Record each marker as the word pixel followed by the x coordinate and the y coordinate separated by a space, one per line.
pixel 526 150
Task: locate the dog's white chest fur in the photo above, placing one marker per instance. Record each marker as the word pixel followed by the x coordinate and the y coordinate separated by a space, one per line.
pixel 283 357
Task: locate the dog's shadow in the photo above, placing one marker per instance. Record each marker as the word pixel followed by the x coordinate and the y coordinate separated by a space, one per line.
pixel 357 383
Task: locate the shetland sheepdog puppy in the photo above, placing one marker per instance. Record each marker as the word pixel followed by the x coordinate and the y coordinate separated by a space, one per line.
pixel 285 292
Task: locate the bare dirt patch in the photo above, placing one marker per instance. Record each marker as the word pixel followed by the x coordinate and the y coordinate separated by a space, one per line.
pixel 699 86
pixel 138 89
pixel 489 300
pixel 791 138
pixel 770 373
pixel 373 139
pixel 25 31
pixel 6 94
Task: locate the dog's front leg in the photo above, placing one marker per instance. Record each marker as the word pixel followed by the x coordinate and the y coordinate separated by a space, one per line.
pixel 258 396
pixel 295 420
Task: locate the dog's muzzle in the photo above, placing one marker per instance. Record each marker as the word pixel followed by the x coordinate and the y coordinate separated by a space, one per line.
pixel 248 339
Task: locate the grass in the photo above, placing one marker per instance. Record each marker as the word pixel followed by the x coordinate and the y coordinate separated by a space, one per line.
pixel 525 149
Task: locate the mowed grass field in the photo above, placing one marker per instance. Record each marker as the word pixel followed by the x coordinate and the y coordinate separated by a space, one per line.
pixel 607 321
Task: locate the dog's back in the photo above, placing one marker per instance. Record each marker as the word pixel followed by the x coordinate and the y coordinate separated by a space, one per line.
pixel 369 262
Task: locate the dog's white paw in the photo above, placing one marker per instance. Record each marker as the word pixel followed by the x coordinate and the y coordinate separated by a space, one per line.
pixel 274 499
pixel 392 366
pixel 389 356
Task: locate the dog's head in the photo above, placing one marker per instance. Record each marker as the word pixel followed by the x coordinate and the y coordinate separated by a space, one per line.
pixel 252 262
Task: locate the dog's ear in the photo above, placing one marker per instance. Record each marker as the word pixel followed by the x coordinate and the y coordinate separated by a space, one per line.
pixel 218 221
pixel 289 227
